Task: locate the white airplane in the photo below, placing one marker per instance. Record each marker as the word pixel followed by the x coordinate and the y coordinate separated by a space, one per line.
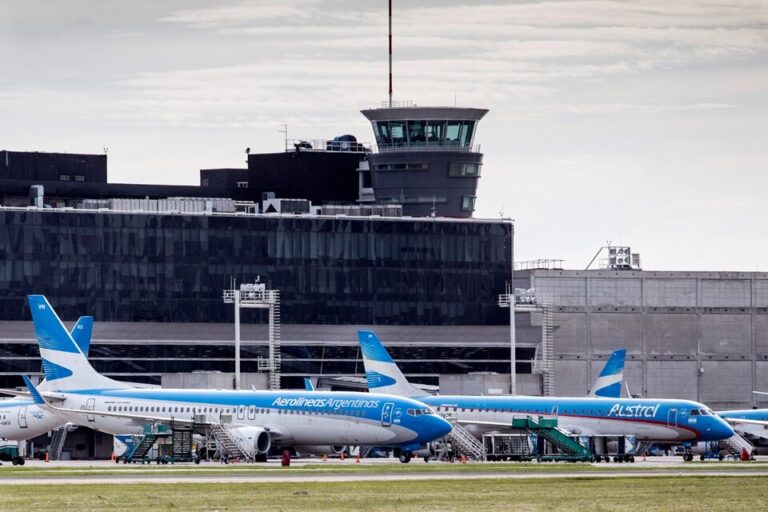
pixel 20 417
pixel 258 419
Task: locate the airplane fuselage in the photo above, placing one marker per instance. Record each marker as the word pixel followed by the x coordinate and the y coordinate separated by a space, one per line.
pixel 652 420
pixel 292 417
pixel 21 419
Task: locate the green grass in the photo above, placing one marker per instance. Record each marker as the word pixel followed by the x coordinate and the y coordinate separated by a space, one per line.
pixel 527 495
pixel 351 467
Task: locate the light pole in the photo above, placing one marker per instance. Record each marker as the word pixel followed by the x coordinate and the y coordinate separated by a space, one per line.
pixel 507 300
pixel 256 295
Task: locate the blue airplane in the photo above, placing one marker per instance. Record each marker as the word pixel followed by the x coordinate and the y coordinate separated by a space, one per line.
pixel 20 417
pixel 260 419
pixel 650 420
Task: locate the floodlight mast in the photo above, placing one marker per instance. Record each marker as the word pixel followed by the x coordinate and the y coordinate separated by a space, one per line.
pixel 256 295
pixel 390 53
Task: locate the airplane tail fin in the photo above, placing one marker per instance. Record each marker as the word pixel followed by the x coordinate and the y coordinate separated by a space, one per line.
pixel 64 363
pixel 308 384
pixel 608 383
pixel 81 333
pixel 381 372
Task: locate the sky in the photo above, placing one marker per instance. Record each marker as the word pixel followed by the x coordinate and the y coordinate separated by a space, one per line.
pixel 642 123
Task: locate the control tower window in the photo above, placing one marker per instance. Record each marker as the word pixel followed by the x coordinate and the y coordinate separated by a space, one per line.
pixel 382 134
pixel 435 131
pixel 468 203
pixel 461 169
pixel 465 135
pixel 397 129
pixel 459 133
pixel 416 134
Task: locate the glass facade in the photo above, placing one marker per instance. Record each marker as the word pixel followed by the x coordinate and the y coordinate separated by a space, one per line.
pixel 420 132
pixel 172 268
pixel 143 362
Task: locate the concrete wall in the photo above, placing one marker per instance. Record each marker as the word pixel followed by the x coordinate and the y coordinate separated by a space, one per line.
pixel 488 384
pixel 695 335
pixel 213 380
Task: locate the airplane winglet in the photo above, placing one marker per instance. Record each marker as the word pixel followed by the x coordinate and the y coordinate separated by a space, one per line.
pixel 36 396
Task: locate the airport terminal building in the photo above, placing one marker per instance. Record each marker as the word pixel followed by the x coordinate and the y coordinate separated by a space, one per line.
pixel 351 238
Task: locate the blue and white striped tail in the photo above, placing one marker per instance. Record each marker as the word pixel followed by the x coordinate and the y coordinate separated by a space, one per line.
pixel 609 382
pixel 382 373
pixel 64 362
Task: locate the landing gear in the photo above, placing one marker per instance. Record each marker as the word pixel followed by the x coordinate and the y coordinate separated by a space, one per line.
pixel 405 457
pixel 17 461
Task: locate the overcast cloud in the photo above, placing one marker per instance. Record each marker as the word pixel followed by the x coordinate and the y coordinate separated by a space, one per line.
pixel 642 123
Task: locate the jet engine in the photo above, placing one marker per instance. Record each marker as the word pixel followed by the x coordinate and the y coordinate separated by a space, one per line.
pixel 257 437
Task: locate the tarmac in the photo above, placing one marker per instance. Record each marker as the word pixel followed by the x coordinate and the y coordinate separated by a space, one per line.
pixel 189 473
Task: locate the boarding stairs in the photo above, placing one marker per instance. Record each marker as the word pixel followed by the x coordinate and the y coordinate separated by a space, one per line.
pixel 142 448
pixel 56 446
pixel 463 441
pixel 231 442
pixel 643 448
pixel 569 448
pixel 152 432
pixel 736 444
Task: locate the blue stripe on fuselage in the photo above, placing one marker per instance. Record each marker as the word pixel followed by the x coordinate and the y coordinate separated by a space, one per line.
pixel 634 410
pixel 314 401
pixel 745 414
pixel 15 403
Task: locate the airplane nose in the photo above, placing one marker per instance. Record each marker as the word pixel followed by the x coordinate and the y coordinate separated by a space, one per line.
pixel 439 427
pixel 725 429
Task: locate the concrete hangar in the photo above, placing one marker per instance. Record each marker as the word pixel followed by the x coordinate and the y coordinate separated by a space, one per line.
pixel 351 238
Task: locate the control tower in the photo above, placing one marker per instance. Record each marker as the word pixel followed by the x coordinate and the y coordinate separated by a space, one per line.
pixel 426 159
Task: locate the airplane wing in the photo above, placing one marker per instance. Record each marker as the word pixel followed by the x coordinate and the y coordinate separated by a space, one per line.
pixel 755 428
pixel 53 397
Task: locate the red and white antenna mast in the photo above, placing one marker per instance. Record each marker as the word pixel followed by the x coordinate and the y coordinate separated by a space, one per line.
pixel 390 53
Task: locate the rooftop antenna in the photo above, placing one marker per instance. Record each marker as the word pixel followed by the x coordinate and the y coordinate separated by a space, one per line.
pixel 390 53
pixel 284 131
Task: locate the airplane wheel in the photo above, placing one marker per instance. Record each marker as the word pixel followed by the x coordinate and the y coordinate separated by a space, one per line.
pixel 405 458
pixel 632 458
pixel 426 459
pixel 701 458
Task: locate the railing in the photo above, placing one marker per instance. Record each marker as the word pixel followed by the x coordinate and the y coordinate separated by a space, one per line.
pixel 428 146
pixel 327 146
pixel 397 104
pixel 541 264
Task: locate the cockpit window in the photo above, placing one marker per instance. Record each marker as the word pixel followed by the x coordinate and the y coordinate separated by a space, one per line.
pixel 418 412
pixel 694 412
pixel 706 412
